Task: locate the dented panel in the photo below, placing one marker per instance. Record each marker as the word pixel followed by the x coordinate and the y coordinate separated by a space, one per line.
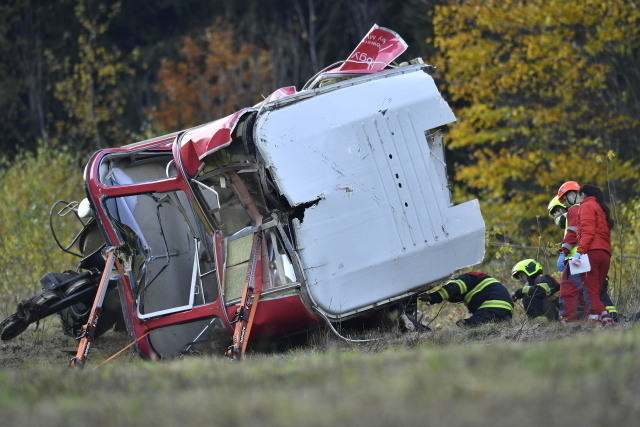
pixel 383 225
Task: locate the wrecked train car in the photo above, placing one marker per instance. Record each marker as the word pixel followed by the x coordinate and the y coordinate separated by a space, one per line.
pixel 312 207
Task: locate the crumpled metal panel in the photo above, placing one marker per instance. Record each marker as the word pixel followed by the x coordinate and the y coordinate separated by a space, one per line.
pixel 203 140
pixel 383 225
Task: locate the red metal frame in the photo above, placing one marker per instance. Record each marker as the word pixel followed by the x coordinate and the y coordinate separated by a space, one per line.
pixel 275 317
pixel 88 331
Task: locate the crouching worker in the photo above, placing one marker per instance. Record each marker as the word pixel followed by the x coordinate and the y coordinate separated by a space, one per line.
pixel 539 293
pixel 485 297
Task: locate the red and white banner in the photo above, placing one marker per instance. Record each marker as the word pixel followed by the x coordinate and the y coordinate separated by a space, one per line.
pixel 376 50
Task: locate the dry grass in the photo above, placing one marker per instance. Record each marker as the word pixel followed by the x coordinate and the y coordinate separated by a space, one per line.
pixel 447 377
pixel 520 373
pixel 495 375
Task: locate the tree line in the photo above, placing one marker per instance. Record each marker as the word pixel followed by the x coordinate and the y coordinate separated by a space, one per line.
pixel 545 91
pixel 96 73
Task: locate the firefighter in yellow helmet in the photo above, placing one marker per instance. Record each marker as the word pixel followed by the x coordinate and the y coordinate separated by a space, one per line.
pixel 558 212
pixel 539 293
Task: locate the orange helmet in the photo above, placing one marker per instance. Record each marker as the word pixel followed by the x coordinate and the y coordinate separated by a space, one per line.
pixel 567 186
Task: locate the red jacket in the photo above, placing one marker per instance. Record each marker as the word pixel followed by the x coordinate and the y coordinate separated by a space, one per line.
pixel 593 229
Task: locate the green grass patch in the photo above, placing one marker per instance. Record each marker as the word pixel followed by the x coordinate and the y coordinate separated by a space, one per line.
pixel 558 375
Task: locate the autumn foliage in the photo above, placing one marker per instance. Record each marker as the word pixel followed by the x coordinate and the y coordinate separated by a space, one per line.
pixel 545 91
pixel 214 75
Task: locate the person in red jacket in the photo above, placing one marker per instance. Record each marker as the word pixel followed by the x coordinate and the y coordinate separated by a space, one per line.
pixel 485 297
pixel 571 298
pixel 594 239
pixel 571 287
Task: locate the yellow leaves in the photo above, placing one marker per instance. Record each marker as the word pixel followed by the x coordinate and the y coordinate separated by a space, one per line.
pixel 29 184
pixel 494 168
pixel 617 26
pixel 90 93
pixel 610 156
pixel 533 74
pixel 516 184
pixel 526 42
pixel 504 250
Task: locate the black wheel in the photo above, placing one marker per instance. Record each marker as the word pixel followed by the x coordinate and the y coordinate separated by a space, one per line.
pixel 12 326
pixel 33 309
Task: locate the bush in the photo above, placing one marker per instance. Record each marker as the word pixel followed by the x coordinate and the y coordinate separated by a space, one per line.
pixel 30 184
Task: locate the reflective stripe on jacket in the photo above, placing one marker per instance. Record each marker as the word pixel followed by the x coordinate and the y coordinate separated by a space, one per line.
pixel 496 304
pixel 474 289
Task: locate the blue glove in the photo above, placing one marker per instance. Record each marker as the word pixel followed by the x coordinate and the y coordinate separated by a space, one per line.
pixel 560 263
pixel 577 255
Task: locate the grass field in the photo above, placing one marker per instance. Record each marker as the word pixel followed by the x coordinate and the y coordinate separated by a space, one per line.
pixel 495 375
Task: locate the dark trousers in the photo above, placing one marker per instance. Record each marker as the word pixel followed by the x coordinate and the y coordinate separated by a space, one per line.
pixel 488 315
pixel 540 308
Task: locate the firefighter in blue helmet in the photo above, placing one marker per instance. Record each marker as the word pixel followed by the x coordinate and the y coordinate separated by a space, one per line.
pixel 539 293
pixel 485 297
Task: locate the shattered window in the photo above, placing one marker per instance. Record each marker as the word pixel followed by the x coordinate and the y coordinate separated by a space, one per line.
pixel 172 268
pixel 171 252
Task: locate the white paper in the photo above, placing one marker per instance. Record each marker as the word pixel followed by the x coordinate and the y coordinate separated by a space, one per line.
pixel 584 266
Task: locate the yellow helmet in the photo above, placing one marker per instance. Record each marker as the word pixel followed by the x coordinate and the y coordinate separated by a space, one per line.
pixel 555 202
pixel 527 266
